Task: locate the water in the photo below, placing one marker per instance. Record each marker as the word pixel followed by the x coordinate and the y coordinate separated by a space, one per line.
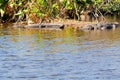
pixel 31 54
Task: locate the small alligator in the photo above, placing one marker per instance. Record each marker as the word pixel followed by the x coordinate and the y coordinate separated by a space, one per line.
pixel 101 26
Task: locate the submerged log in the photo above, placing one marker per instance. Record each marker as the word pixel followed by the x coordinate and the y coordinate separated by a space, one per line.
pixel 101 26
pixel 41 26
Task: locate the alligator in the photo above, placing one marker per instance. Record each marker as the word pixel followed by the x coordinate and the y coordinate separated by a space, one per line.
pixel 41 26
pixel 101 26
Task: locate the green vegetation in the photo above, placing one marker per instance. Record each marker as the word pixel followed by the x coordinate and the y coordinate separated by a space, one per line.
pixel 47 10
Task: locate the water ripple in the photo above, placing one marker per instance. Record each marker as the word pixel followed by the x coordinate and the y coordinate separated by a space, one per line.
pixel 33 57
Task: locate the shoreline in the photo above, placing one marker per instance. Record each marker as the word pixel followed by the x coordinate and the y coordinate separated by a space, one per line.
pixel 74 24
pixel 55 24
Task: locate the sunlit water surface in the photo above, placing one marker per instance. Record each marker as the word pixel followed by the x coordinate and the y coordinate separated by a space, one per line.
pixel 31 54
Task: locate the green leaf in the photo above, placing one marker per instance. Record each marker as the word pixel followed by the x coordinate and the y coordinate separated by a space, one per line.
pixel 55 5
pixel 39 14
pixel 69 7
pixel 35 9
pixel 25 10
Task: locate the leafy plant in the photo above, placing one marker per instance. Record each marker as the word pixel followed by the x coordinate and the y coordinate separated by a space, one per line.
pixel 39 10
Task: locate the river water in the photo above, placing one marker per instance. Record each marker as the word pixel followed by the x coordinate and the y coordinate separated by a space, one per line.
pixel 32 54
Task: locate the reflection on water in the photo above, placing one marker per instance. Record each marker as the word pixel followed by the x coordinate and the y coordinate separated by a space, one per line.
pixel 32 54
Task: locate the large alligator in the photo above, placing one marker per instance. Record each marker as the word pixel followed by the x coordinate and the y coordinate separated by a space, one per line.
pixel 41 26
pixel 101 26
